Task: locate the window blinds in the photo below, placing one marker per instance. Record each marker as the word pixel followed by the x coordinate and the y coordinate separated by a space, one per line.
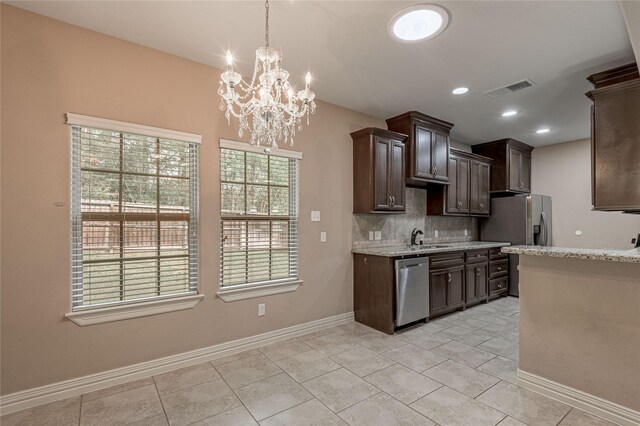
pixel 259 218
pixel 134 217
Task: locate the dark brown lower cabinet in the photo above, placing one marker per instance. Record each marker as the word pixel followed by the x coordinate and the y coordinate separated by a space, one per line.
pixel 373 291
pixel 498 273
pixel 476 283
pixel 446 283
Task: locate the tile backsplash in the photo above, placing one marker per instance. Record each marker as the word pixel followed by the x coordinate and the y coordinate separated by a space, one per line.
pixel 396 228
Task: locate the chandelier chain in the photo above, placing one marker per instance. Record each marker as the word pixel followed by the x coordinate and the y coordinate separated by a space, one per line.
pixel 266 23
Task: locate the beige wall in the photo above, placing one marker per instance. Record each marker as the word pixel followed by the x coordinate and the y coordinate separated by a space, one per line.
pixel 50 68
pixel 563 171
pixel 580 325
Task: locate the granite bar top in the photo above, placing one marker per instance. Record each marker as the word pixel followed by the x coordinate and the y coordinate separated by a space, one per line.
pixel 401 250
pixel 610 255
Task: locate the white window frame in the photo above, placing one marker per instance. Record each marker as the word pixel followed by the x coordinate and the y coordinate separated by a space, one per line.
pixel 83 316
pixel 265 288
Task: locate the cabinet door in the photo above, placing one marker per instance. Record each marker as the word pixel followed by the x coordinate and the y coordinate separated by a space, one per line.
pixel 421 153
pixel 514 170
pixel 438 284
pixel 474 187
pixel 452 189
pixel 455 287
pixel 464 167
pixel 440 154
pixel 481 280
pixel 396 182
pixel 381 174
pixel 471 295
pixel 484 200
pixel 525 172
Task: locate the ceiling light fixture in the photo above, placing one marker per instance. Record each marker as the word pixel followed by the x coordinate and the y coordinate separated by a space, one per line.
pixel 545 130
pixel 417 23
pixel 460 90
pixel 268 107
pixel 509 113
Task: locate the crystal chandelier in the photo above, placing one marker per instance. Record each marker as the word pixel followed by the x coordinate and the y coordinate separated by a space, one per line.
pixel 268 107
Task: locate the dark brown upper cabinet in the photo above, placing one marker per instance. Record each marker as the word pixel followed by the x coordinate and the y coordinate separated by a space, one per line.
pixel 378 171
pixel 615 139
pixel 468 191
pixel 427 147
pixel 511 167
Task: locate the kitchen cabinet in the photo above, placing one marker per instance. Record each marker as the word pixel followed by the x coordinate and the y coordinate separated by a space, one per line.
pixel 378 171
pixel 468 191
pixel 615 139
pixel 446 283
pixel 479 181
pixel 373 291
pixel 476 277
pixel 427 159
pixel 511 166
pixel 498 273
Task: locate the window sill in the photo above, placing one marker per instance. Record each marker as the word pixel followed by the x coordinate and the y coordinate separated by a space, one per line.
pixel 249 292
pixel 137 310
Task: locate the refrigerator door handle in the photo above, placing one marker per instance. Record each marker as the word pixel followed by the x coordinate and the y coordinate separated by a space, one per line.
pixel 543 228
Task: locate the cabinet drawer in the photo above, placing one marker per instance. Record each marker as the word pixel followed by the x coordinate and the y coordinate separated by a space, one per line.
pixel 498 268
pixel 477 256
pixel 496 254
pixel 446 260
pixel 498 285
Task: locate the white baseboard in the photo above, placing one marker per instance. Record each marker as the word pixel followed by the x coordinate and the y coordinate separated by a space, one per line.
pixel 41 395
pixel 586 402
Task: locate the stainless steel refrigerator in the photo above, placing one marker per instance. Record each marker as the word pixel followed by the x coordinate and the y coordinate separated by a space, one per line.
pixel 523 219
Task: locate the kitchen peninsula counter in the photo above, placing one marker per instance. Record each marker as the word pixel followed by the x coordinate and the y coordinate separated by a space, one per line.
pixel 580 328
pixel 609 255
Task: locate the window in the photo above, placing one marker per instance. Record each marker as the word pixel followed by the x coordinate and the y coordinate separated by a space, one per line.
pixel 259 217
pixel 134 215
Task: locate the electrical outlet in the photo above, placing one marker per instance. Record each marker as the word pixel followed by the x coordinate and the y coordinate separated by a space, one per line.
pixel 436 233
pixel 370 235
pixel 323 237
pixel 466 232
pixel 378 235
pixel 261 309
pixel 315 216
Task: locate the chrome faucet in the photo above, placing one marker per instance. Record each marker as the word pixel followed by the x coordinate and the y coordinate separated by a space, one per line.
pixel 414 235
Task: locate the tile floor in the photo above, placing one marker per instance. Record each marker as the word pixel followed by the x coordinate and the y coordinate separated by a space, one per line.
pixel 456 370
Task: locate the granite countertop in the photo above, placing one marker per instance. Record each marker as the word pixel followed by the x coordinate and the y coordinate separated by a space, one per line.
pixel 401 250
pixel 610 255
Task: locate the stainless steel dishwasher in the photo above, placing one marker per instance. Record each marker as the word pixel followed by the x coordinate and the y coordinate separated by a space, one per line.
pixel 412 290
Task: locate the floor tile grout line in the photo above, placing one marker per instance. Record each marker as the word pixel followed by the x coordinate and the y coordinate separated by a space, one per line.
pixel 236 395
pixel 563 417
pixel 166 417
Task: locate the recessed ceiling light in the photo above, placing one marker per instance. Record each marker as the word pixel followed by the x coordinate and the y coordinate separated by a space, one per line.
pixel 542 130
pixel 460 90
pixel 418 22
pixel 509 113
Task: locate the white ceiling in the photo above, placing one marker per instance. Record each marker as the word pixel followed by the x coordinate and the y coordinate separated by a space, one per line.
pixel 355 64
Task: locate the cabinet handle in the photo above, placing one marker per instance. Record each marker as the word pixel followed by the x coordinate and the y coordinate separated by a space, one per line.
pixel 365 260
pixel 389 200
pixel 449 277
pixel 481 206
pixel 477 271
pixel 393 201
pixel 435 170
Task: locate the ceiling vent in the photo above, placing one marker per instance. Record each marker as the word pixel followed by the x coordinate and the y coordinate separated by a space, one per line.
pixel 505 90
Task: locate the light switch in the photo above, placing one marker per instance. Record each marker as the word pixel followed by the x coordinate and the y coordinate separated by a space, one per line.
pixel 370 235
pixel 378 235
pixel 323 237
pixel 436 233
pixel 315 216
